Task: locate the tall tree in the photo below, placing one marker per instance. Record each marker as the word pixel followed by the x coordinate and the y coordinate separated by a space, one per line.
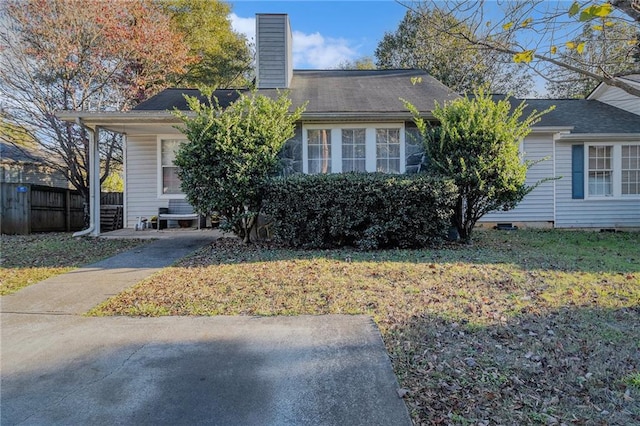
pixel 221 56
pixel 456 62
pixel 551 35
pixel 76 55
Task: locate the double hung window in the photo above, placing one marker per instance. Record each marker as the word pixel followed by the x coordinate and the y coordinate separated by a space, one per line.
pixel 169 180
pixel 388 150
pixel 630 169
pixel 600 171
pixel 319 143
pixel 354 150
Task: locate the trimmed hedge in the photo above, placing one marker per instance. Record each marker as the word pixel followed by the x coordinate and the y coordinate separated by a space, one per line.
pixel 365 210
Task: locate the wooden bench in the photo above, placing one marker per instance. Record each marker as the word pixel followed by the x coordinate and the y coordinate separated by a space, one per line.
pixel 177 210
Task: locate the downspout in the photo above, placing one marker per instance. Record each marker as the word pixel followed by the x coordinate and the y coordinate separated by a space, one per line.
pixel 93 158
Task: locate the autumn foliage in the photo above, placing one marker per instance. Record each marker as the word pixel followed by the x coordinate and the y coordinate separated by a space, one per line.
pixel 87 45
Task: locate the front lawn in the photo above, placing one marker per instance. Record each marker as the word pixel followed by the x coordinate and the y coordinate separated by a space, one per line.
pixel 27 259
pixel 525 327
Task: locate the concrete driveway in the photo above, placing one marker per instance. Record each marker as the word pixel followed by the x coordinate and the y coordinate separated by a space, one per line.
pixel 59 367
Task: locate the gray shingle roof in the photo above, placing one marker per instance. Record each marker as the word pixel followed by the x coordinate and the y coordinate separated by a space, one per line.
pixel 169 99
pixel 378 92
pixel 587 116
pixel 9 152
pixel 367 91
pixel 336 91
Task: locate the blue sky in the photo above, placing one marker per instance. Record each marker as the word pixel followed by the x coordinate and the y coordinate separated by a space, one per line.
pixel 325 33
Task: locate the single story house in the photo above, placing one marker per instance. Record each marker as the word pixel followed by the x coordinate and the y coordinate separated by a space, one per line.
pixel 355 121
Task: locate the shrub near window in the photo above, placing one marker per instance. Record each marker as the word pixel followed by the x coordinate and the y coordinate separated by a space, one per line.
pixel 365 210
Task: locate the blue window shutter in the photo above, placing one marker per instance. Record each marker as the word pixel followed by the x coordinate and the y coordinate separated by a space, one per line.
pixel 577 172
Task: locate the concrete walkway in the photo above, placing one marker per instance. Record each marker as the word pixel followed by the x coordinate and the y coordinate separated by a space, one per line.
pixel 58 367
pixel 78 291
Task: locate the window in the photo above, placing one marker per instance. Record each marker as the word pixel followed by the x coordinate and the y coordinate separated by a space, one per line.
pixel 630 169
pixel 170 183
pixel 353 147
pixel 388 150
pixel 319 150
pixel 600 171
pixel 611 170
pixel 354 150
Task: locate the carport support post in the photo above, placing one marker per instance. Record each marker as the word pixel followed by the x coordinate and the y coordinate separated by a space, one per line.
pixel 94 184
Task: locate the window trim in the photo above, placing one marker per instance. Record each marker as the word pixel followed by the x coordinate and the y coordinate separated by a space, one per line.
pixel 616 166
pixel 636 170
pixel 159 175
pixel 370 143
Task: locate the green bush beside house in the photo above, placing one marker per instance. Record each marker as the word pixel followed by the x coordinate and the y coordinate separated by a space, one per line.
pixel 364 210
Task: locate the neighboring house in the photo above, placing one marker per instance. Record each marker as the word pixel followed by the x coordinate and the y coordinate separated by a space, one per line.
pixel 594 151
pixel 355 120
pixel 25 165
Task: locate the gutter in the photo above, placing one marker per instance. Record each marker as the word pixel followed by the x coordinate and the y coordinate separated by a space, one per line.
pixel 551 129
pixel 92 178
pixel 359 117
pixel 98 117
pixel 587 137
pixel 153 116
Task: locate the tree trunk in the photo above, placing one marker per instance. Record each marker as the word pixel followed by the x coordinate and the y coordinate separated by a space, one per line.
pixel 458 218
pixel 248 224
pixel 87 207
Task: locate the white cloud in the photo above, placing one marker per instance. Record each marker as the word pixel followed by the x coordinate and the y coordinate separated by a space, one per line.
pixel 246 26
pixel 318 52
pixel 312 51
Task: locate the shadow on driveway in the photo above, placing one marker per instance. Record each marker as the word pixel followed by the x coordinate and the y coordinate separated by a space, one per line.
pixel 307 370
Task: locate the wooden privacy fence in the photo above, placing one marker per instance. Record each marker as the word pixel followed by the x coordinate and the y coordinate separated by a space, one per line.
pixel 30 208
pixel 111 199
pixel 27 208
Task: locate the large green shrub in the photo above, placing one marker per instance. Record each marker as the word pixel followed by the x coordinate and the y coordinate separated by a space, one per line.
pixel 366 210
pixel 476 143
pixel 231 152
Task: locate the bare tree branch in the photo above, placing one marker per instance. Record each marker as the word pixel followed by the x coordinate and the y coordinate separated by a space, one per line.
pixel 562 42
pixel 629 7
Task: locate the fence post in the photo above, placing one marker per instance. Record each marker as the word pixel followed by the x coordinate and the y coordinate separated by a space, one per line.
pixel 67 209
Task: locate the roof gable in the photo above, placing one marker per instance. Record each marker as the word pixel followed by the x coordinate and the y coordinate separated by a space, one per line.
pixel 616 96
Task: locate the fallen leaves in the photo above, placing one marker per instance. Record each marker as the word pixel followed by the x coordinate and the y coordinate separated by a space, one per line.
pixel 512 330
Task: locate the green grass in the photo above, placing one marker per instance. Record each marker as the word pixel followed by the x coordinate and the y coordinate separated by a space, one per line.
pixel 521 327
pixel 27 259
pixel 633 379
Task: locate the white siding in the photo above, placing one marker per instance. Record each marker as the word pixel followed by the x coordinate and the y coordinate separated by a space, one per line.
pixel 142 179
pixel 619 99
pixel 537 206
pixel 589 213
pixel 273 51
